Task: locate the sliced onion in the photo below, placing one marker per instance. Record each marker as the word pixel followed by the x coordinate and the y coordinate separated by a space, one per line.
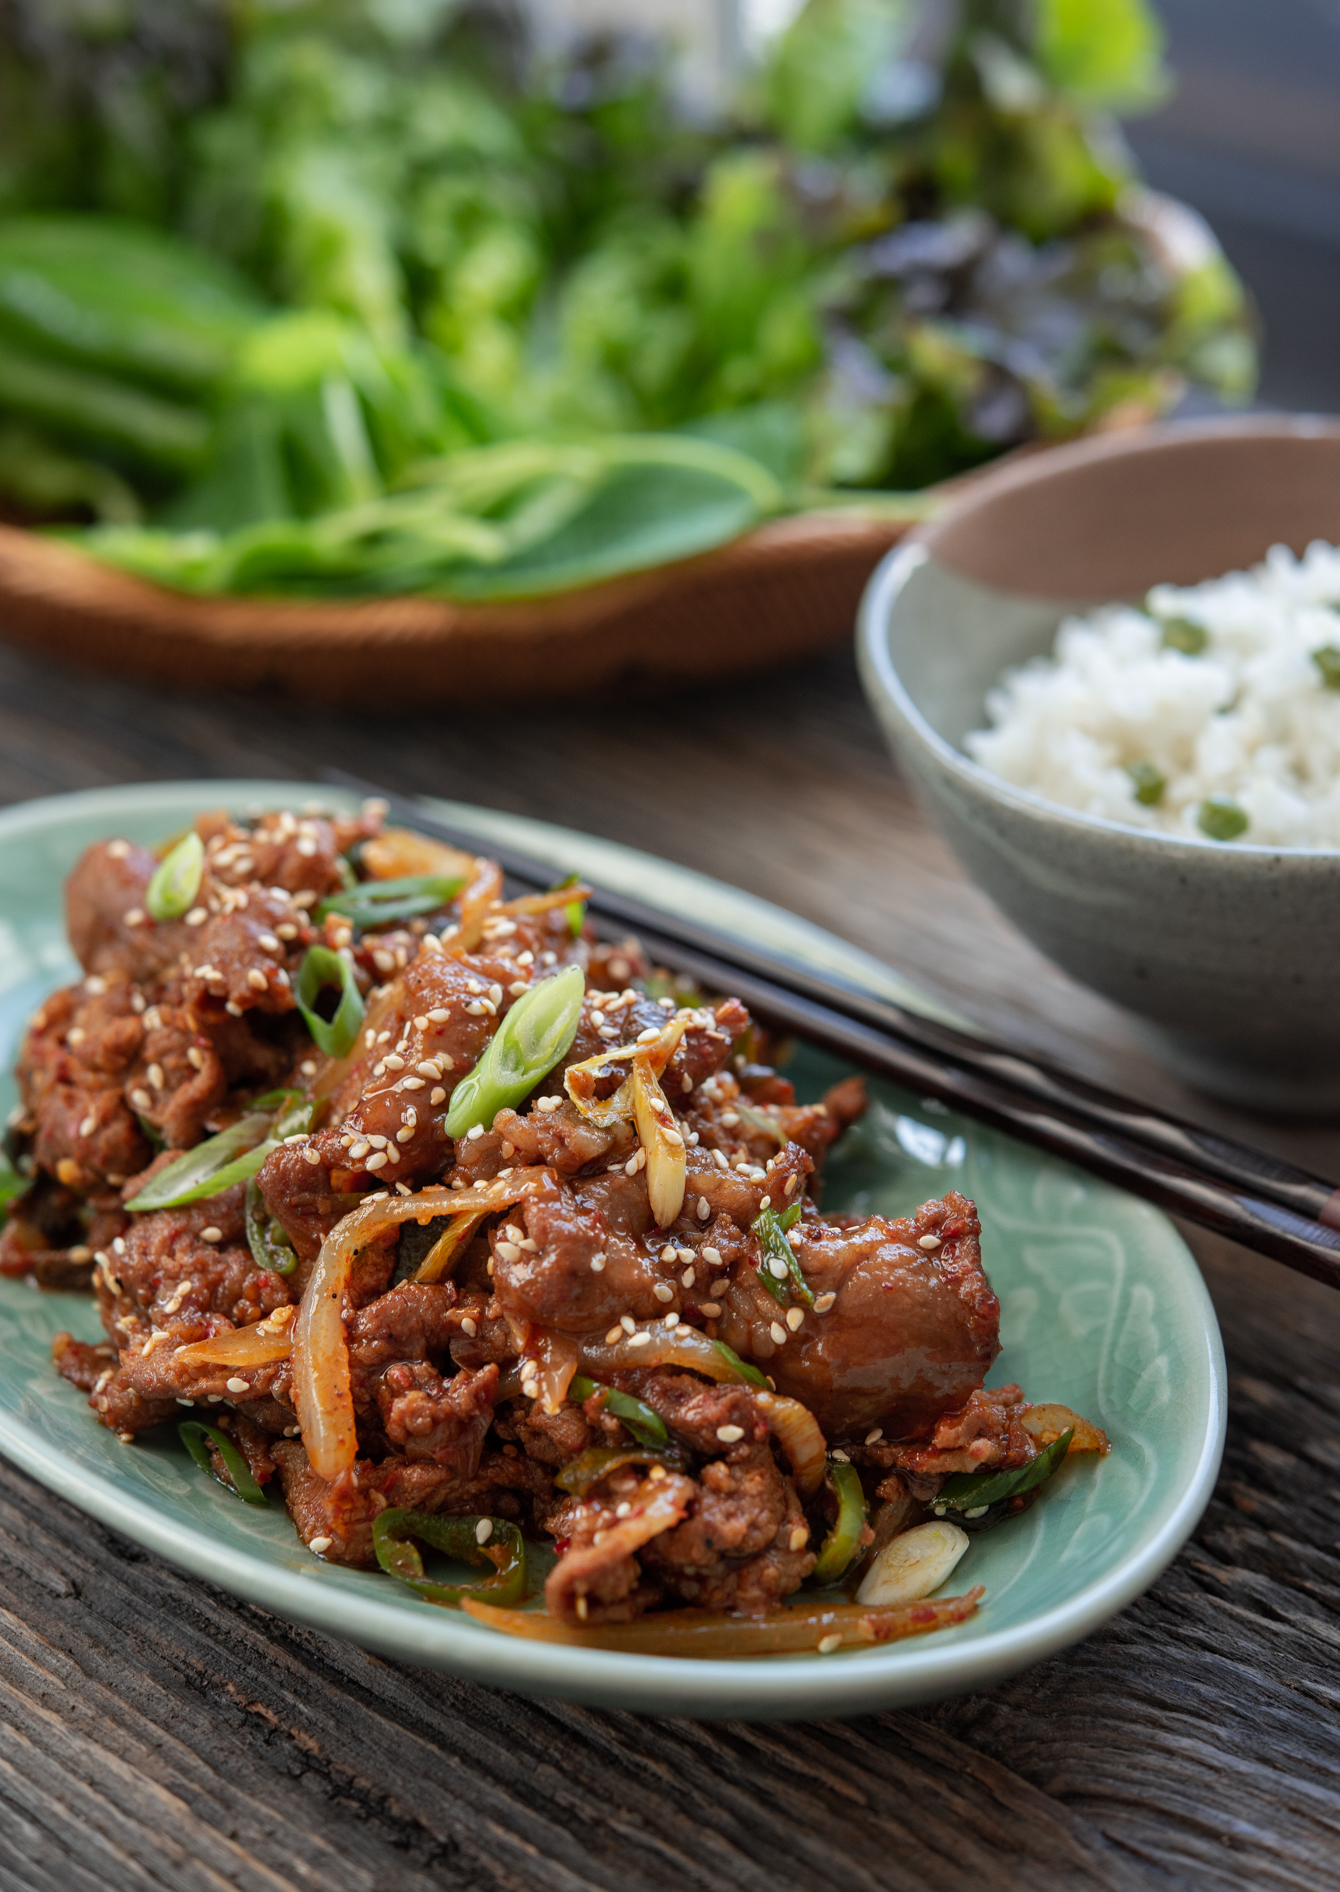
pixel 446 1250
pixel 1046 1423
pixel 243 1346
pixel 556 1357
pixel 650 1059
pixel 398 853
pixel 667 1161
pixel 711 1635
pixel 798 1430
pixel 546 902
pixel 477 902
pixel 321 1388
pixel 668 1346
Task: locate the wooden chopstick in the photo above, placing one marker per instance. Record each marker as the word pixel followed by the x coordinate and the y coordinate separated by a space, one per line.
pixel 1247 1195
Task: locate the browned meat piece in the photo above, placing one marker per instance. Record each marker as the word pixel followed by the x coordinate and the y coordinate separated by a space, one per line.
pixel 910 1332
pixel 744 1542
pixel 553 1284
pixel 616 967
pixel 552 1438
pixel 52 1234
pixel 560 1139
pixel 694 1409
pixel 82 1364
pixel 984 1432
pixel 166 1264
pixel 408 1323
pixel 427 1417
pixel 300 1196
pixel 295 852
pixel 336 1520
pixel 597 1578
pixel 78 1050
pixel 108 884
pixel 153 1369
pixel 177 1079
pixel 236 959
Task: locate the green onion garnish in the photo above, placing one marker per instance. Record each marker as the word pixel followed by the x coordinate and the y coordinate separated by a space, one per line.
pixel 1148 783
pixel 745 1368
pixel 194 1433
pixel 1327 660
pixel 1221 818
pixel 372 903
pixel 771 1230
pixel 176 880
pixel 534 1035
pixel 322 970
pixel 232 1156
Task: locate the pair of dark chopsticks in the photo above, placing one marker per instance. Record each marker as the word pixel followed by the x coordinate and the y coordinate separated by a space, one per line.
pixel 1245 1194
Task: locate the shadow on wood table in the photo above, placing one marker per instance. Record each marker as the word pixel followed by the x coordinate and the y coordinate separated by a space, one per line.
pixel 161 1734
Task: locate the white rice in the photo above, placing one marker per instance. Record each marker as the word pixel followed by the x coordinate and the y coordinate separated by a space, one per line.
pixel 1249 720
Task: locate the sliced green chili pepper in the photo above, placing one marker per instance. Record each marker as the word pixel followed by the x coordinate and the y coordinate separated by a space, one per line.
pixel 975 1491
pixel 844 1539
pixel 646 1426
pixel 535 1034
pixel 1148 783
pixel 270 1246
pixel 1327 660
pixel 371 903
pixel 1220 817
pixel 176 880
pixel 771 1230
pixel 193 1433
pixel 502 1546
pixel 598 1461
pixel 322 969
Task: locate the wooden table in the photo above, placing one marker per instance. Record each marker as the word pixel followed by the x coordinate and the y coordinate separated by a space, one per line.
pixel 162 1734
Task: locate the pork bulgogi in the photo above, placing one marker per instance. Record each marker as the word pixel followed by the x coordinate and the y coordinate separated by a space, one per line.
pixel 462 1227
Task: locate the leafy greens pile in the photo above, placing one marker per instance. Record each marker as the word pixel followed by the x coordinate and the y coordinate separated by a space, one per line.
pixel 351 297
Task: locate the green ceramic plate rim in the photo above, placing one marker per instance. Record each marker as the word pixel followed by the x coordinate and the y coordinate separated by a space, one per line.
pixel 798 1687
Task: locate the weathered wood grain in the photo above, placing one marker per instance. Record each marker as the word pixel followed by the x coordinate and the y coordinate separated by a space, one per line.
pixel 158 1734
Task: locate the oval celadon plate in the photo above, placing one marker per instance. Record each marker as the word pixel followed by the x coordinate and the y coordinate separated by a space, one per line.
pixel 1102 1308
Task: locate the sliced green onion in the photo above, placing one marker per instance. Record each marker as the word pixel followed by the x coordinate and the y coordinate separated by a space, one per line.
pixel 393 1535
pixel 1182 634
pixel 12 1184
pixel 1148 783
pixel 575 911
pixel 646 1426
pixel 844 1539
pixel 197 1174
pixel 323 969
pixel 1327 660
pixel 974 1491
pixel 193 1434
pixel 176 880
pixel 1220 817
pixel 371 903
pixel 771 1229
pixel 534 1035
pixel 270 1246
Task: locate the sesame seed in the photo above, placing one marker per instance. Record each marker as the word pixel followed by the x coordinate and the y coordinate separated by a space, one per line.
pixel 439 1015
pixel 359 1150
pixel 483 1530
pixel 119 1244
pixel 597 1017
pixel 875 1434
pixel 630 1167
pixel 841 1457
pixel 765 1203
pixel 623 1510
pixel 405 1135
pixel 778 1332
pixel 776 1267
pixel 477 1131
pixel 615 1333
pixel 236 1385
pixel 649 1036
pixel 437 1096
pixel 627 1323
pixel 135 916
pixel 824 1302
pixel 689 1276
pixel 719 1158
pixel 712 1256
pixel 663 1291
pixel 394 1062
pixel 469 1326
pixel 669 1253
pixel 729 1434
pixel 118 850
pixel 475 1008
pixel 233 1009
pixel 800 1536
pixel 791 1185
pixel 141 1100
pixel 547 1103
pixel 211 1234
pixel 597 1264
pixel 256 979
pixel 827 1644
pixel 639 1340
pixel 508 1251
pixel 795 1317
pixel 928 1242
pixel 88 1126
pixel 703 1210
pixel 308 1067
pixel 268 943
pixel 710 1308
pixel 197 916
pixel 377 1160
pixel 312 1156
pixel 426 1068
pixel 321 1545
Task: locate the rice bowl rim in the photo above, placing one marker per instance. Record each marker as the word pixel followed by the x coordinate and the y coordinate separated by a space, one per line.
pixel 882 679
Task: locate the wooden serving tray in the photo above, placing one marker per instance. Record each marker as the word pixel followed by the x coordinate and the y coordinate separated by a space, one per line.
pixel 785 590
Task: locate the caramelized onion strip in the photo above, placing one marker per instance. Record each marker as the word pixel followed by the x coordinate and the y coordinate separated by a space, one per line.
pixel 713 1636
pixel 667 1162
pixel 798 1432
pixel 446 1250
pixel 480 898
pixel 668 1346
pixel 244 1346
pixel 321 1387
